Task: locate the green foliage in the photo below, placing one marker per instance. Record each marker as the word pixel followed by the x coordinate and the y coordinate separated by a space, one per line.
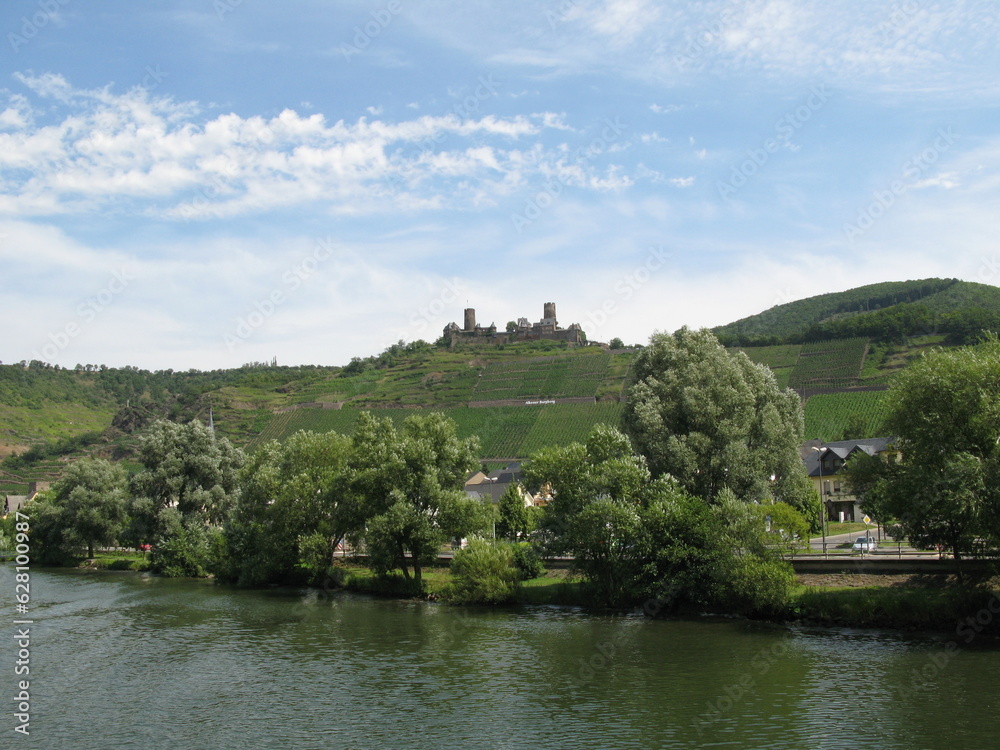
pixel 716 421
pixel 887 311
pixel 84 509
pixel 483 573
pixel 404 494
pixel 515 519
pixel 526 560
pixel 185 547
pixel 946 417
pixel 789 530
pixel 503 431
pixel 287 518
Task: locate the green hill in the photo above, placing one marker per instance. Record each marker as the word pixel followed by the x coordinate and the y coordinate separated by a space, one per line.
pixel 890 311
pixel 49 415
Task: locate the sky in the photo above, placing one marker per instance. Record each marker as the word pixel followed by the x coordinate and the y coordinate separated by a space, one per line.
pixel 206 183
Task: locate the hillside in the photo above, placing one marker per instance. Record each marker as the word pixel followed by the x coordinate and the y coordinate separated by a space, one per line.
pixel 49 415
pixel 890 311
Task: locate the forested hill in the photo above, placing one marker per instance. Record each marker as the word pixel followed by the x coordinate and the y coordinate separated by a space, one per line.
pixel 889 311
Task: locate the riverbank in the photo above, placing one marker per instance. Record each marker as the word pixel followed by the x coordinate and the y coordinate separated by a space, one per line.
pixel 919 602
pixel 924 602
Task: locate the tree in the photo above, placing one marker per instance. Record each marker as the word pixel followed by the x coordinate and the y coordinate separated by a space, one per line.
pixel 484 573
pixel 286 517
pixel 715 421
pixel 616 343
pixel 945 415
pixel 187 467
pixel 85 508
pixel 191 479
pixel 515 519
pixel 404 496
pixel 594 515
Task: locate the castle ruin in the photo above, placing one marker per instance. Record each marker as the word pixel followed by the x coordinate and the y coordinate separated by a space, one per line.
pixel 545 329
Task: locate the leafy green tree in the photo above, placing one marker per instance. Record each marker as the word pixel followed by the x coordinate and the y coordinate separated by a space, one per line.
pixel 190 479
pixel 616 343
pixel 187 467
pixel 711 556
pixel 788 529
pixel 85 508
pixel 944 489
pixel 404 495
pixel 594 515
pixel 515 519
pixel 715 421
pixel 286 517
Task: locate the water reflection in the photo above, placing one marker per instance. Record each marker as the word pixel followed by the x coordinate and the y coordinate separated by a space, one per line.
pixel 124 661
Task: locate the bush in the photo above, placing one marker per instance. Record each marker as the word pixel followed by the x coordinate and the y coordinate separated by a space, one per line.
pixel 483 573
pixel 756 586
pixel 528 563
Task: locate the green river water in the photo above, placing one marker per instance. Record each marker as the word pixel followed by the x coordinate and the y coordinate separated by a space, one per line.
pixel 122 660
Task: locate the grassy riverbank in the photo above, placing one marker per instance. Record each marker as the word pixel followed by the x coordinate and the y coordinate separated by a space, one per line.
pixel 914 602
pixel 927 602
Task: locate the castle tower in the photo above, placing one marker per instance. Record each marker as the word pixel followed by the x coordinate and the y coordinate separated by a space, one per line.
pixel 470 319
pixel 549 313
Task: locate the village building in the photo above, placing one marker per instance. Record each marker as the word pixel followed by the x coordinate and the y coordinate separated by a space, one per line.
pixel 825 464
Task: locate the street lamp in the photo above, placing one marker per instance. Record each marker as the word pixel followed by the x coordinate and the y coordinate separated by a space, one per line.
pixel 822 504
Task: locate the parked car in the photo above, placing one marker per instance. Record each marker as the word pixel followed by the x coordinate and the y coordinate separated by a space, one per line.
pixel 864 544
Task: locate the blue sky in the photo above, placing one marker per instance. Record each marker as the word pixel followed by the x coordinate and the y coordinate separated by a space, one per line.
pixel 203 183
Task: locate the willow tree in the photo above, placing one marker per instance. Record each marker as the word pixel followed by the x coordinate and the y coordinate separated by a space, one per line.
pixel 714 421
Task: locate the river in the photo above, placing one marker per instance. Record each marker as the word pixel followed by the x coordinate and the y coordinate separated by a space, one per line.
pixel 121 660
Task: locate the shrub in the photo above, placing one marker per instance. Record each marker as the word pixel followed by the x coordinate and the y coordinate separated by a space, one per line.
pixel 526 560
pixel 483 573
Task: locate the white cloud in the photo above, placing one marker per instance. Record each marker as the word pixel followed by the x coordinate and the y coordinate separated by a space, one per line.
pixel 165 160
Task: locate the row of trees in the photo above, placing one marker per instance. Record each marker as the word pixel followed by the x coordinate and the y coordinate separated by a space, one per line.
pixel 681 497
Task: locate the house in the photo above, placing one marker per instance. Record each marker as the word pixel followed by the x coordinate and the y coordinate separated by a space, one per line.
pixel 13 503
pixel 491 486
pixel 825 463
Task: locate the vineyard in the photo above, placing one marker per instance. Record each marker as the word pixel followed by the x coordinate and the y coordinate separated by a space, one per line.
pixel 829 364
pixel 821 364
pixel 836 416
pixel 504 431
pixel 543 377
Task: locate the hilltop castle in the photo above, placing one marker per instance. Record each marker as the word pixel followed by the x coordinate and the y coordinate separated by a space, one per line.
pixel 546 328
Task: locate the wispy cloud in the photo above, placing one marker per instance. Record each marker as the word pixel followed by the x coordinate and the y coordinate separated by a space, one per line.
pixel 162 158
